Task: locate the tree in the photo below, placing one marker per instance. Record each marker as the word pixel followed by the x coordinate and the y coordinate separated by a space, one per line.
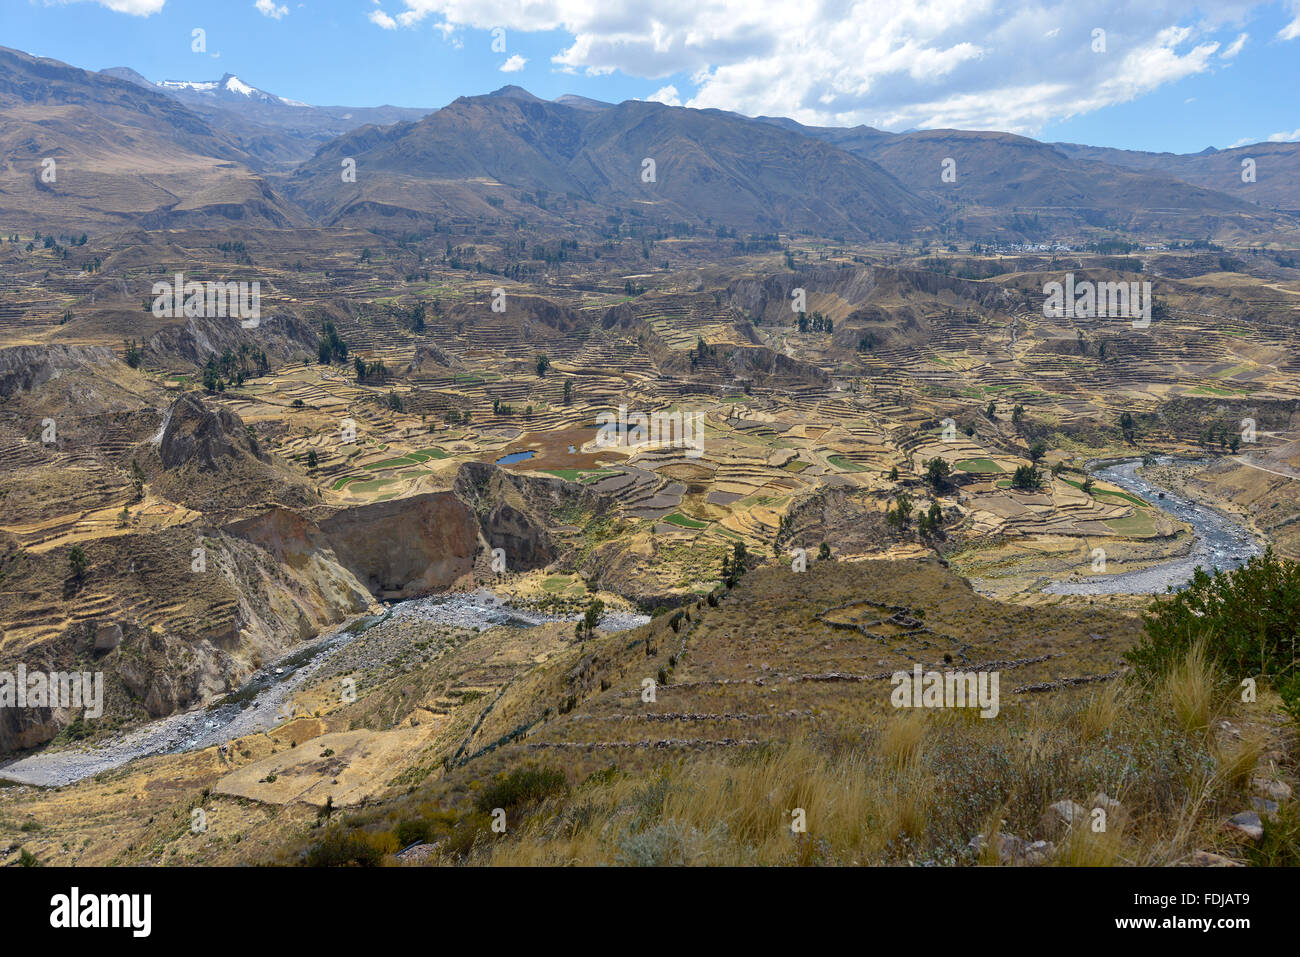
pixel 1017 414
pixel 591 617
pixel 823 552
pixel 1026 478
pixel 77 561
pixel 1037 450
pixel 568 391
pixel 332 348
pixel 901 516
pixel 1127 425
pixel 992 410
pixel 735 565
pixel 937 473
pixel 543 363
pixel 137 479
pixel 936 520
pixel 893 474
pixel 312 459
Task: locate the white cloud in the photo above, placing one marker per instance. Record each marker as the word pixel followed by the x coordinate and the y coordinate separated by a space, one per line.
pixel 1235 46
pixel 906 63
pixel 268 8
pixel 136 8
pixel 666 95
pixel 382 19
pixel 1292 137
pixel 1292 29
pixel 514 64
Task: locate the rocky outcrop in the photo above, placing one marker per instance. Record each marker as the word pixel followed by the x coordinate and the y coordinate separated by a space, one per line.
pixel 24 368
pixel 428 355
pixel 22 728
pixel 514 511
pixel 204 457
pixel 192 432
pixel 846 519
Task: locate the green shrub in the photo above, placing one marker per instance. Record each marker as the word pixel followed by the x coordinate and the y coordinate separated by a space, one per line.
pixel 521 786
pixel 341 848
pixel 414 831
pixel 1249 620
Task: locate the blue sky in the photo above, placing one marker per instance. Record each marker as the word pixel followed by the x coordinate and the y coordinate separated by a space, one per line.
pixel 1169 75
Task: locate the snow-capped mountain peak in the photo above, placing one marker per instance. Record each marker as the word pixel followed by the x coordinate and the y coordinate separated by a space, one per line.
pixel 229 86
pixel 235 85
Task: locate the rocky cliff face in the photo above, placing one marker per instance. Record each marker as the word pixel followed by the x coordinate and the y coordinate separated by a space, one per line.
pixel 406 547
pixel 27 368
pixel 206 458
pixel 175 634
pixel 270 581
pixel 515 511
pixel 194 433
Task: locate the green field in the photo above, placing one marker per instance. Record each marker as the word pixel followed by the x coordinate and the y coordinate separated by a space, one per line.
pixel 584 476
pixel 1140 525
pixel 1124 496
pixel 410 458
pixel 677 518
pixel 840 462
pixel 979 466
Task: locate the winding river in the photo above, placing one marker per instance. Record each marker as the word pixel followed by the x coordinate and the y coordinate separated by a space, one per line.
pixel 264 700
pixel 1220 542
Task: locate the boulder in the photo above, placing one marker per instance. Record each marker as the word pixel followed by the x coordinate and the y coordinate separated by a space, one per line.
pixel 1264 806
pixel 1013 850
pixel 1116 813
pixel 108 635
pixel 417 853
pixel 1059 818
pixel 1245 826
pixel 1209 859
pixel 1272 788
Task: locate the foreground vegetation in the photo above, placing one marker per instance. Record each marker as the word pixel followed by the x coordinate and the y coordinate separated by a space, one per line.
pixel 1167 755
